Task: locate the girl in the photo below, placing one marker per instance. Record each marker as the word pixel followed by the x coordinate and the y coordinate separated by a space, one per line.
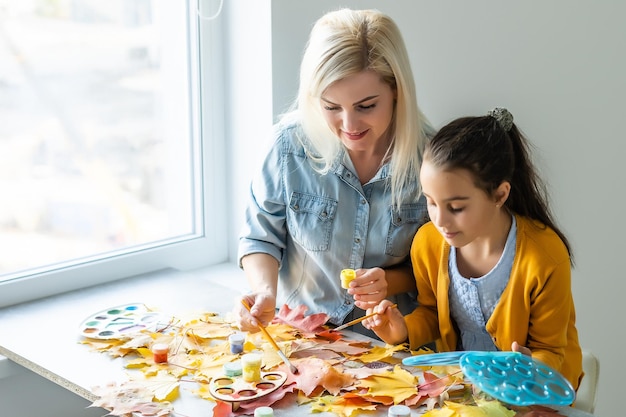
pixel 493 271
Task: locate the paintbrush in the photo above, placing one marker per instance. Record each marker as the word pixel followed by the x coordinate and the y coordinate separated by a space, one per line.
pixel 270 339
pixel 360 319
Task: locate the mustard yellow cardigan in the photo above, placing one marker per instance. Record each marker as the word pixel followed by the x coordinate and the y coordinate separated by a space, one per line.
pixel 536 308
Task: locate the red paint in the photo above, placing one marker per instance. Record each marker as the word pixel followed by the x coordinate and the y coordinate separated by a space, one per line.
pixel 159 351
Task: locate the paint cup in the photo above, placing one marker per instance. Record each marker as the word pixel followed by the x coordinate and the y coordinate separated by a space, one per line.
pixel 251 367
pixel 264 412
pixel 347 275
pixel 399 411
pixel 236 341
pixel 159 352
pixel 232 368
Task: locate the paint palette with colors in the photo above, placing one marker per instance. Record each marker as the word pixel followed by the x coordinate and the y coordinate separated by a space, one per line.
pixel 120 321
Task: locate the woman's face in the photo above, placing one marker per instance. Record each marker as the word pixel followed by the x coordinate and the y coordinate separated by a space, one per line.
pixel 359 109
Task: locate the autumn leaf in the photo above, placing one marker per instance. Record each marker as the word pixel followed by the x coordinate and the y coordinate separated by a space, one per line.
pixel 163 386
pixel 222 409
pixel 378 353
pixel 345 407
pixel 315 373
pixel 211 366
pixel 494 408
pixel 398 384
pixel 328 334
pixel 128 398
pixel 113 347
pixel 440 412
pixel 297 319
pixel 207 330
pixel 351 348
pixel 483 408
pixel 139 340
pixel 434 385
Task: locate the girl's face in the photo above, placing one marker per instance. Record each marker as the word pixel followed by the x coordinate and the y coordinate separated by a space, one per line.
pixel 461 212
pixel 359 109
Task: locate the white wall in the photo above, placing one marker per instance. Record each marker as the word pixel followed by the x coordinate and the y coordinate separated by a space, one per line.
pixel 560 67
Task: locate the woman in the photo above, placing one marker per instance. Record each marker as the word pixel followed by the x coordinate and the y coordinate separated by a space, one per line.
pixel 339 187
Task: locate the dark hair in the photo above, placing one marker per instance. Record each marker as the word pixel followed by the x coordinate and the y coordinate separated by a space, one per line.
pixel 493 155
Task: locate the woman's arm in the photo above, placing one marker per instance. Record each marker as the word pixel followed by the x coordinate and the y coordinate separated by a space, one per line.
pixel 261 271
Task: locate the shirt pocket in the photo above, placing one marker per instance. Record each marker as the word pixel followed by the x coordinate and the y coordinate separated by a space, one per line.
pixel 404 224
pixel 310 220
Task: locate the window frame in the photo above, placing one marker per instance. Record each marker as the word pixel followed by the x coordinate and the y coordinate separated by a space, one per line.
pixel 206 92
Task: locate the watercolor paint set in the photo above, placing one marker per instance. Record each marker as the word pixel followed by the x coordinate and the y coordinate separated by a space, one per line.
pixel 120 321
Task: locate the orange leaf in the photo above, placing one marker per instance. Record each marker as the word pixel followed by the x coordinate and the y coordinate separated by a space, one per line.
pixel 314 372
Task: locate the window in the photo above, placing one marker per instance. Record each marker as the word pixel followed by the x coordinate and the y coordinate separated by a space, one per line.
pixel 103 144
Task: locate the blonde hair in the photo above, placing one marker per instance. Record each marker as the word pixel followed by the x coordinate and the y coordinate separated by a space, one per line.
pixel 346 42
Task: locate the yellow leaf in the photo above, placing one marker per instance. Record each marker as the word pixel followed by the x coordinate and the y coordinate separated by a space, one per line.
pixel 378 353
pixel 440 412
pixel 495 408
pixel 398 384
pixel 483 408
pixel 163 386
pixel 204 392
pixel 341 406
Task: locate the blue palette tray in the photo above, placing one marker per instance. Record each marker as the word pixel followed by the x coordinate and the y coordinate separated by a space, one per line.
pixel 510 377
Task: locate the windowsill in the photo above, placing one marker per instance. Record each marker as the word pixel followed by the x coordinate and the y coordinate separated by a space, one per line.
pixel 43 335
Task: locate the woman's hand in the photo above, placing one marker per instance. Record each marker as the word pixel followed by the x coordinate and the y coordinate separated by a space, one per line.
pixel 369 287
pixel 388 323
pixel 516 347
pixel 262 310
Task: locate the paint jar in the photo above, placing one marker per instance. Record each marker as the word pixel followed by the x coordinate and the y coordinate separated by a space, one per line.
pixel 347 275
pixel 236 341
pixel 399 411
pixel 159 352
pixel 263 412
pixel 232 368
pixel 251 367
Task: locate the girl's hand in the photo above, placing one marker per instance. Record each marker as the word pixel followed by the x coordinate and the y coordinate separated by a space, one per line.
pixel 368 288
pixel 388 323
pixel 262 310
pixel 516 347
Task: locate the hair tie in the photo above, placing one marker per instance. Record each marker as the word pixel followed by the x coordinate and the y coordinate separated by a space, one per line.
pixel 503 117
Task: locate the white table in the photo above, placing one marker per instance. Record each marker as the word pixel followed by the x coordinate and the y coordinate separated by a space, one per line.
pixel 43 335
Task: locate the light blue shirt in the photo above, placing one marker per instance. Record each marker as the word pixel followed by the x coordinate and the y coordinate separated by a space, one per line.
pixel 316 224
pixel 473 299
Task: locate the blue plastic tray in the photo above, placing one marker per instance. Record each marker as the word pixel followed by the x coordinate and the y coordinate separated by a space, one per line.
pixel 434 359
pixel 510 377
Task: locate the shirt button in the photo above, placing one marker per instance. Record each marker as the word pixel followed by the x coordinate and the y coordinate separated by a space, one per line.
pixel 324 214
pixel 363 201
pixel 347 303
pixel 357 240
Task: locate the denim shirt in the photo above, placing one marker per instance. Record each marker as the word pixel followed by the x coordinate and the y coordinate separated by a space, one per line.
pixel 316 224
